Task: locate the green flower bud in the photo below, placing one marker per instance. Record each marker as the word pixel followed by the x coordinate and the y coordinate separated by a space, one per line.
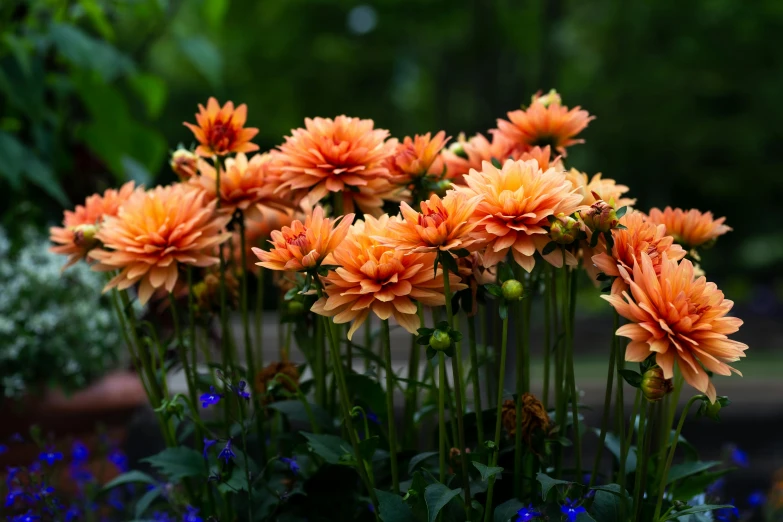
pixel 512 290
pixel 440 340
pixel 295 307
pixel 564 229
pixel 654 386
pixel 712 409
pixel 84 236
pixel 600 217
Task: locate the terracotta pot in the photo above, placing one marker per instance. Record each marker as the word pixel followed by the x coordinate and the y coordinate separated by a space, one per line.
pixel 108 403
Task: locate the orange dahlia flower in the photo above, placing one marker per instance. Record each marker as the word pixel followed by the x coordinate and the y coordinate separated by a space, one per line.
pixel 345 155
pixel 380 279
pixel 517 200
pixel 244 185
pixel 607 189
pixel 153 233
pixel 466 155
pixel 680 319
pixel 257 231
pixel 639 236
pixel 417 157
pixel 442 225
pixel 545 123
pixel 543 155
pixel 691 228
pixel 302 247
pixel 77 235
pixel 220 130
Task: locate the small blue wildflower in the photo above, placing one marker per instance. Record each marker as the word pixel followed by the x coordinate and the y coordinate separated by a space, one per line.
pixel 739 457
pixel 293 465
pixel 12 495
pixel 27 517
pixel 726 514
pixel 50 456
pixel 35 467
pixel 208 443
pixel 115 499
pixel 757 499
pixel 191 515
pixel 160 516
pixel 72 514
pixel 3 448
pixel 16 437
pixel 226 453
pixel 119 459
pixel 527 513
pixel 372 417
pixel 79 452
pixel 80 473
pixel 571 509
pixel 371 507
pixel 714 489
pixel 207 399
pixel 241 391
pixel 45 491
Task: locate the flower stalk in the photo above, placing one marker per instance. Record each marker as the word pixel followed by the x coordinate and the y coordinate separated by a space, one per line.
pixel 390 405
pixel 498 419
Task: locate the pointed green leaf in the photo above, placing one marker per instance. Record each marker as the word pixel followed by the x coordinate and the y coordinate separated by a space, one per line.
pixel 686 469
pixel 392 507
pixel 547 483
pixel 697 509
pixel 179 462
pixel 487 471
pixel 418 459
pixel 437 496
pixel 549 248
pixel 128 478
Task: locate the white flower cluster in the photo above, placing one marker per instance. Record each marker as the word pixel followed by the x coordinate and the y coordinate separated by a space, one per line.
pixel 55 327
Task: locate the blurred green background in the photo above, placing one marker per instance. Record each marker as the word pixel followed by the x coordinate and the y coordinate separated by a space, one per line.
pixel 688 95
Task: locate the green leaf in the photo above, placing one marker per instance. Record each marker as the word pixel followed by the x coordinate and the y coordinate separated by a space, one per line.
pixel 368 446
pixel 487 471
pixel 503 310
pixel 507 510
pixel 612 443
pixel 696 484
pixel 620 212
pixel 215 12
pixel 295 411
pixel 418 459
pixel 461 252
pixel 608 502
pixel 697 509
pixel 392 507
pixel 368 392
pixel 14 156
pixel 144 502
pixel 496 163
pixel 504 272
pixel 437 496
pixel 687 469
pixel 86 52
pixel 205 57
pixel 549 248
pixel 494 289
pixel 236 482
pixel 547 483
pixel 631 377
pixel 331 448
pixel 177 463
pixel 129 478
pixel 152 90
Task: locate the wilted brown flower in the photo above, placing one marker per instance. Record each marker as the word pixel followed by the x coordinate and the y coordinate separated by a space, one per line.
pixel 265 377
pixel 534 417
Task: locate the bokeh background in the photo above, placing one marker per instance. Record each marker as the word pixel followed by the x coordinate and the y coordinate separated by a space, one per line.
pixel 688 98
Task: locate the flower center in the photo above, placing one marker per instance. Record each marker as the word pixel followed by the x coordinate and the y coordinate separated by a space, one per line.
pixel 222 133
pixel 299 240
pixel 432 219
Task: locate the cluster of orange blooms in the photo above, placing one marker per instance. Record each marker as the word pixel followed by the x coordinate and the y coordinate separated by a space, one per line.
pixel 488 197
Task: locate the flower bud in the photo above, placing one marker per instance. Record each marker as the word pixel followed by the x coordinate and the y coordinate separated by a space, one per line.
pixel 654 386
pixel 712 409
pixel 600 217
pixel 184 163
pixel 512 290
pixel 564 229
pixel 84 236
pixel 440 340
pixel 547 99
pixel 295 307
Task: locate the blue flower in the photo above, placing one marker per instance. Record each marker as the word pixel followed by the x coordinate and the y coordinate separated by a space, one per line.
pixel 210 398
pixel 716 487
pixel 527 513
pixel 293 465
pixel 45 491
pixel 72 514
pixel 80 473
pixel 240 390
pixel 739 457
pixel 726 514
pixel 191 515
pixel 571 509
pixel 27 517
pixel 50 456
pixel 372 417
pixel 115 499
pixel 79 452
pixel 208 443
pixel 757 499
pixel 119 459
pixel 159 516
pixel 3 448
pixel 16 437
pixel 12 495
pixel 226 453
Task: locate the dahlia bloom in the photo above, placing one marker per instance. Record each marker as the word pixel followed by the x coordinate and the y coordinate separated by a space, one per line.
pixel 380 279
pixel 607 189
pixel 691 228
pixel 544 123
pixel 640 236
pixel 466 155
pixel 345 155
pixel 543 155
pixel 442 225
pixel 220 130
pixel 517 200
pixel 680 319
pixel 77 235
pixel 258 229
pixel 305 246
pixel 416 158
pixel 245 185
pixel 153 233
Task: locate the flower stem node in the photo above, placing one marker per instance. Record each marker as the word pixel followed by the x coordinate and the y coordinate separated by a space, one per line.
pixel 654 386
pixel 440 340
pixel 512 290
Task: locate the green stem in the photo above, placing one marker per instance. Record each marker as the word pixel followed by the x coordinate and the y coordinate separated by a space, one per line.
pixel 607 400
pixel 368 342
pixel 640 458
pixel 476 384
pixel 443 450
pixel 245 450
pixel 548 274
pixel 390 405
pixel 186 367
pixel 670 457
pixel 225 345
pixel 489 364
pixel 411 390
pixel 320 365
pixel 259 333
pixel 498 419
pixel 345 401
pixel 632 421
